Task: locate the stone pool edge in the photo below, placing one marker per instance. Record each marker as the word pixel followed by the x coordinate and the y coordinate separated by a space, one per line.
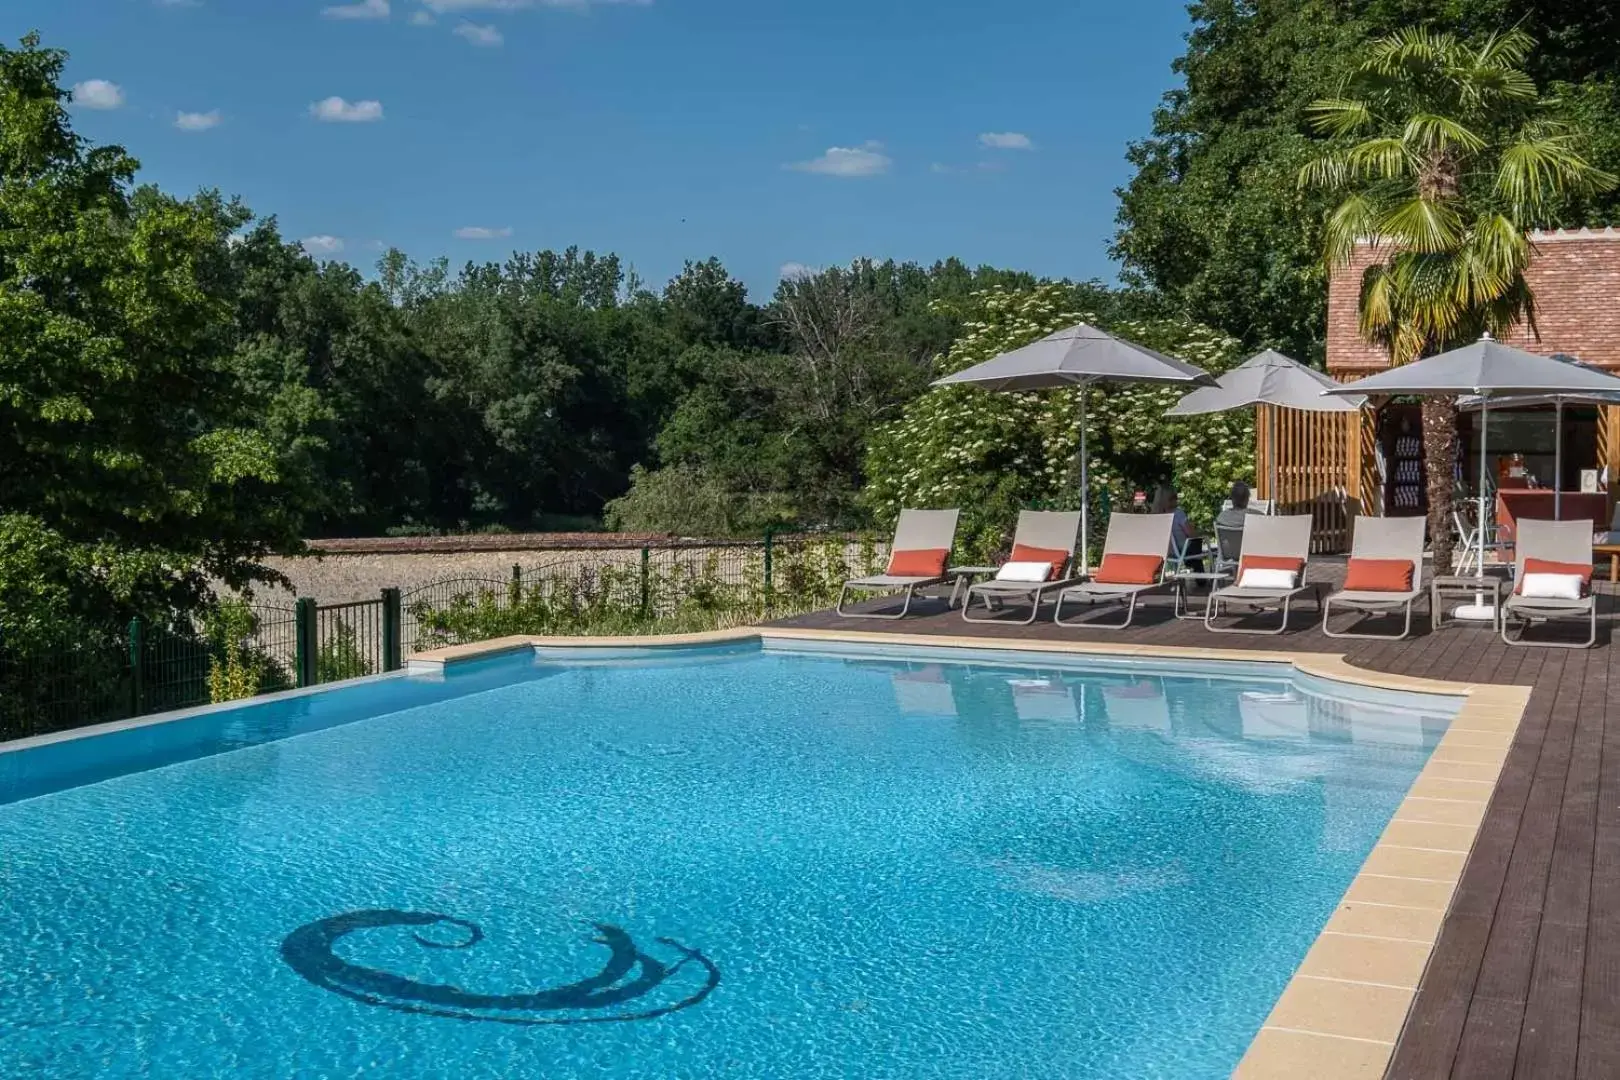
pixel 1343 1010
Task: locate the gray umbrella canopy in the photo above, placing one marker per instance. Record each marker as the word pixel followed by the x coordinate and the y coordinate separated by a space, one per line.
pixel 1267 378
pixel 1490 370
pixel 1078 356
pixel 1486 367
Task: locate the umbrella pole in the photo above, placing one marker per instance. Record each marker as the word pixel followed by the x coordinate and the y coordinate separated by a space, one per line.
pixel 1271 452
pixel 1085 493
pixel 1558 460
pixel 1484 430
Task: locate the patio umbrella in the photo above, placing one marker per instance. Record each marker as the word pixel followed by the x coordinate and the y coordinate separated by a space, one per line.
pixel 1267 378
pixel 1490 371
pixel 1557 401
pixel 1077 356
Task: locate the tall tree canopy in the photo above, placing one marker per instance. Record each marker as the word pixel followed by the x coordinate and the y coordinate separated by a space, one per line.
pixel 1213 217
pixel 124 429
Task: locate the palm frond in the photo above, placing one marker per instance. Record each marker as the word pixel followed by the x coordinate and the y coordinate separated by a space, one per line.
pixel 1421 225
pixel 1379 307
pixel 1537 169
pixel 1338 117
pixel 1479 88
pixel 1431 131
pixel 1385 159
pixel 1504 50
pixel 1328 172
pixel 1411 49
pixel 1353 220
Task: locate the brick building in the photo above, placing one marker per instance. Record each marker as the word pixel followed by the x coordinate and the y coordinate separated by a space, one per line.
pixel 1574 274
pixel 1372 463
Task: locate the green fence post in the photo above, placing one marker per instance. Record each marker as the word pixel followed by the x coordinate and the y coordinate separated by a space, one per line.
pixel 514 596
pixel 392 647
pixel 304 614
pixel 646 580
pixel 137 666
pixel 770 546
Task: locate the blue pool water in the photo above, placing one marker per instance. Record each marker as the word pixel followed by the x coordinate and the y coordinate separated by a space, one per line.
pixel 733 863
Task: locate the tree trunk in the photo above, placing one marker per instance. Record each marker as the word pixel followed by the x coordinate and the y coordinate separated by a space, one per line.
pixel 1439 461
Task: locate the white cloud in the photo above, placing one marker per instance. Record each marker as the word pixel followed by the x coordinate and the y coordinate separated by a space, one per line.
pixel 481 232
pixel 336 110
pixel 198 121
pixel 867 159
pixel 364 9
pixel 486 36
pixel 1006 140
pixel 98 94
pixel 422 18
pixel 321 245
pixel 791 270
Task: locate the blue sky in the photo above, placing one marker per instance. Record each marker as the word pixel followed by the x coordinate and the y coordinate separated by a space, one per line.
pixel 766 132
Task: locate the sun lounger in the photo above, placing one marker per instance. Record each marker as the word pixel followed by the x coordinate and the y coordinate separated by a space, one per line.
pixel 1384 576
pixel 1133 563
pixel 1547 555
pixel 1043 536
pixel 1271 573
pixel 917 559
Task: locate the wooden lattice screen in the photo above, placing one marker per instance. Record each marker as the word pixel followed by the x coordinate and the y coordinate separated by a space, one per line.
pixel 1319 460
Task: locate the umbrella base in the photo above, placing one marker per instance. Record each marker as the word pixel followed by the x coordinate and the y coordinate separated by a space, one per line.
pixel 1478 612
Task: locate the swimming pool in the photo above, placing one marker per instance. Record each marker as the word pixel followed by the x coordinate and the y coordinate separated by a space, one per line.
pixel 725 862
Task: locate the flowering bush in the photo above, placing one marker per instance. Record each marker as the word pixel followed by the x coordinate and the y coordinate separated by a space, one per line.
pixel 994 454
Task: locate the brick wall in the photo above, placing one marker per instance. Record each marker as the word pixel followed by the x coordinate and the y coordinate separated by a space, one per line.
pixel 1576 279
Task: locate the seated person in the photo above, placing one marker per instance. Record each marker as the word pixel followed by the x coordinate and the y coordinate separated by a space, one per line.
pixel 1184 539
pixel 1233 516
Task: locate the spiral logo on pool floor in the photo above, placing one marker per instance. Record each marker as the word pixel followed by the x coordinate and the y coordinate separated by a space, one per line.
pixel 632 984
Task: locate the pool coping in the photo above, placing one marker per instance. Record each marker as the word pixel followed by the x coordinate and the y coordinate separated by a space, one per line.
pixel 1343 1010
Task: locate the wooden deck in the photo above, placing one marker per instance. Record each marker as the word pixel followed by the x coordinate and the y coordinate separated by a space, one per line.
pixel 1525 979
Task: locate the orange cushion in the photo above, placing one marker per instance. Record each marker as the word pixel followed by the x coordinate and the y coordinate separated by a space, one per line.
pixel 1120 569
pixel 1379 575
pixel 1548 566
pixel 920 562
pixel 1058 557
pixel 1270 562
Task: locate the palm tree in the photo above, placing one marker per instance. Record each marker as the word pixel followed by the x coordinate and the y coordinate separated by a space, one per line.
pixel 1445 157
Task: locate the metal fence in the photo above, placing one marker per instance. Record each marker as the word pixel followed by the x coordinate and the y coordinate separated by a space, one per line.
pixel 266 646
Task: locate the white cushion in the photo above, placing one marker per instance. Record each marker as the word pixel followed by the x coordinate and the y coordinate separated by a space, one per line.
pixel 1024 571
pixel 1259 578
pixel 1552 586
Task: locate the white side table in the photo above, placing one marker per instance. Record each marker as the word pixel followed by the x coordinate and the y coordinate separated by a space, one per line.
pixel 962 577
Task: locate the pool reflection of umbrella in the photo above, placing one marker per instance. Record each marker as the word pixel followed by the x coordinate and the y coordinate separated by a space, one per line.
pixel 1078 357
pixel 1267 378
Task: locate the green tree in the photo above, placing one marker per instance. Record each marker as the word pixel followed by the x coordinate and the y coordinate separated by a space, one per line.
pixel 1212 217
pixel 1444 157
pixel 124 424
pixel 994 454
